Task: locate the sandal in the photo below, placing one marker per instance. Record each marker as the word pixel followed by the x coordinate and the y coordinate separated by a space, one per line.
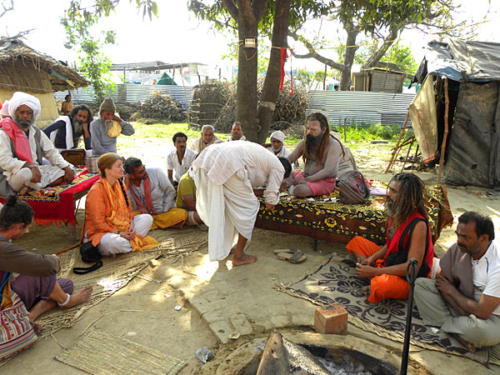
pixel 290 251
pixel 295 258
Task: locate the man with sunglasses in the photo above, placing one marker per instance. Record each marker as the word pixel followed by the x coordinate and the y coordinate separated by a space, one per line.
pixel 23 146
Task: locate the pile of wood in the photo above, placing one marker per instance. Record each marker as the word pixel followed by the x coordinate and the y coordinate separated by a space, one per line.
pixel 216 105
pixel 160 107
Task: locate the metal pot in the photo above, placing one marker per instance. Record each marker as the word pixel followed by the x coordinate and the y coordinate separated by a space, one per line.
pixel 91 163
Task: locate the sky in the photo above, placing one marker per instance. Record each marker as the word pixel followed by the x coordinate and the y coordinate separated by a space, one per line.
pixel 176 36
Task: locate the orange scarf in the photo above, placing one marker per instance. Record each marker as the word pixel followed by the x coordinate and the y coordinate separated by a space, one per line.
pixel 120 217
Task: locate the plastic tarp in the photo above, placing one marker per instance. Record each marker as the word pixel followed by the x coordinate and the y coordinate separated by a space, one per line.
pixel 464 61
pixel 474 149
pixel 424 120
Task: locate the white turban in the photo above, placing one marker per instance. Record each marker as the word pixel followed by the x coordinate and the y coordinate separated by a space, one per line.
pixel 278 135
pixel 5 109
pixel 21 98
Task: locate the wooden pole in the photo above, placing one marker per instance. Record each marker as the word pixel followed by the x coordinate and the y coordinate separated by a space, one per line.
pixel 345 130
pixel 324 79
pixel 68 248
pixel 445 137
pixel 398 142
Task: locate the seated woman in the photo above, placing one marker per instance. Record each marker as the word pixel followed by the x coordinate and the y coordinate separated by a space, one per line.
pixel 36 284
pixel 109 220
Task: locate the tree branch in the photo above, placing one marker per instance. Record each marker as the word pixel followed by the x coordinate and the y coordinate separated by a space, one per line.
pixel 232 9
pixel 312 53
pixel 259 8
pixel 388 42
pixel 7 8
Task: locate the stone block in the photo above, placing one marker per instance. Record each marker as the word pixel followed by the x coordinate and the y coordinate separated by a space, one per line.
pixel 331 319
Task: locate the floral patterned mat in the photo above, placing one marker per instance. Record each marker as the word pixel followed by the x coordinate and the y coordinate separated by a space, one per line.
pixel 336 281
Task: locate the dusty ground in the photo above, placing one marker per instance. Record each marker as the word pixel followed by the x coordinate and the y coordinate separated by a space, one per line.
pixel 181 333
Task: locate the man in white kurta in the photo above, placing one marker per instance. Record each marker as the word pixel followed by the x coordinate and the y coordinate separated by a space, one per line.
pixel 278 145
pixel 225 175
pixel 22 147
pixel 180 159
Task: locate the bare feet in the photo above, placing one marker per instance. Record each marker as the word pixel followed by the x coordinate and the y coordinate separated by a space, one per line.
pixel 25 190
pixel 112 255
pixel 78 298
pixel 244 259
pixel 36 327
pixel 367 290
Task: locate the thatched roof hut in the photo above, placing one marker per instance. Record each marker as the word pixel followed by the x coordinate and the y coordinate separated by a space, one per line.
pixel 24 69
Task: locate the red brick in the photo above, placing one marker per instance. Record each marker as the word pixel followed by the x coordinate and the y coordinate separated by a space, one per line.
pixel 331 319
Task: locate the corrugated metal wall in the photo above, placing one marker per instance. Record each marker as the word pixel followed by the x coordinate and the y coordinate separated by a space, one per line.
pixel 126 93
pixel 361 107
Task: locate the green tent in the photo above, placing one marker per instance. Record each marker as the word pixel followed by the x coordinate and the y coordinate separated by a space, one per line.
pixel 166 80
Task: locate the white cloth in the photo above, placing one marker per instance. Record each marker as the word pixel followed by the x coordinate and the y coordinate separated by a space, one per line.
pixel 21 98
pixel 284 152
pixel 5 109
pixel 228 210
pixel 198 145
pixel 113 243
pixel 162 191
pixel 12 166
pixel 180 168
pixel 22 178
pixel 222 161
pixel 486 274
pixel 278 135
pixel 243 138
pixel 69 132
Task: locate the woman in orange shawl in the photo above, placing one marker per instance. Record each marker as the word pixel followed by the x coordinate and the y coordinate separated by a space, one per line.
pixel 109 220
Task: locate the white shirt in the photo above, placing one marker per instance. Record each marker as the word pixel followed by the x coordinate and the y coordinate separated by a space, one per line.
pixel 162 191
pixel 284 152
pixel 180 168
pixel 12 165
pixel 486 274
pixel 223 160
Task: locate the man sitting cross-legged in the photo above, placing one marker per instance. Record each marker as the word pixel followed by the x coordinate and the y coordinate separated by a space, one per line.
pixel 407 236
pixel 152 193
pixel 36 284
pixel 186 199
pixel 180 159
pixel 464 299
pixel 321 153
pixel 22 147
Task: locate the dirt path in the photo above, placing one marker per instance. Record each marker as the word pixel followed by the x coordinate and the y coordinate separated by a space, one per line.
pixel 180 333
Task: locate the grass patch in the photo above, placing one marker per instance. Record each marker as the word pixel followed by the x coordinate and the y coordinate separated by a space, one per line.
pixel 360 133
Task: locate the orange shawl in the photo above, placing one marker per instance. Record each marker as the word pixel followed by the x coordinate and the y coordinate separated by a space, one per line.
pixel 107 211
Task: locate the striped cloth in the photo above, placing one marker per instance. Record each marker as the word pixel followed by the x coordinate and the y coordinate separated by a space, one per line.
pixel 16 333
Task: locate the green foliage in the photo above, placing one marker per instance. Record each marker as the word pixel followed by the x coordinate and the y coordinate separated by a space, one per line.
pixel 361 132
pixel 401 56
pixel 78 22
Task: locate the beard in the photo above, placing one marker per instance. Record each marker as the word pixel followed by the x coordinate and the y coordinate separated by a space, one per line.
pixel 108 124
pixel 24 124
pixel 313 143
pixel 391 209
pixel 77 126
pixel 277 149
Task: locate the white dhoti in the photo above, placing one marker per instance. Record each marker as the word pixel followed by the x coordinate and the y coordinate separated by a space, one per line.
pixel 228 210
pixel 22 178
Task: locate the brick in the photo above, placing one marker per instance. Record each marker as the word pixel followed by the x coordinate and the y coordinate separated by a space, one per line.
pixel 331 319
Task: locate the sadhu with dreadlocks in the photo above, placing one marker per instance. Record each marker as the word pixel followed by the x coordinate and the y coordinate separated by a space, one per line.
pixel 407 236
pixel 321 153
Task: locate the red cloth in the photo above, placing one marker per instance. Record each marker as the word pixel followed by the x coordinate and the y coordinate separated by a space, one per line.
pixel 19 138
pixel 149 209
pixel 392 246
pixel 284 56
pixel 62 209
pixel 320 187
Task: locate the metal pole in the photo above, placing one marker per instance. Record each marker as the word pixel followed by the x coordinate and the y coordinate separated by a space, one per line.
pixel 411 275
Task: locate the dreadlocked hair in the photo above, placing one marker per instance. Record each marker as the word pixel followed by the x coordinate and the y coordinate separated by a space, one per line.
pixel 124 192
pixel 412 197
pixel 323 121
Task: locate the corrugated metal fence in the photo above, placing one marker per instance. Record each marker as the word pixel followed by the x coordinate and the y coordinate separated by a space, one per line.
pixel 126 93
pixel 361 107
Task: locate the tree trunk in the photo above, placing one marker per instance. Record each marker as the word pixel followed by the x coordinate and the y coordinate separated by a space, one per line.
pixel 270 91
pixel 350 52
pixel 246 91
